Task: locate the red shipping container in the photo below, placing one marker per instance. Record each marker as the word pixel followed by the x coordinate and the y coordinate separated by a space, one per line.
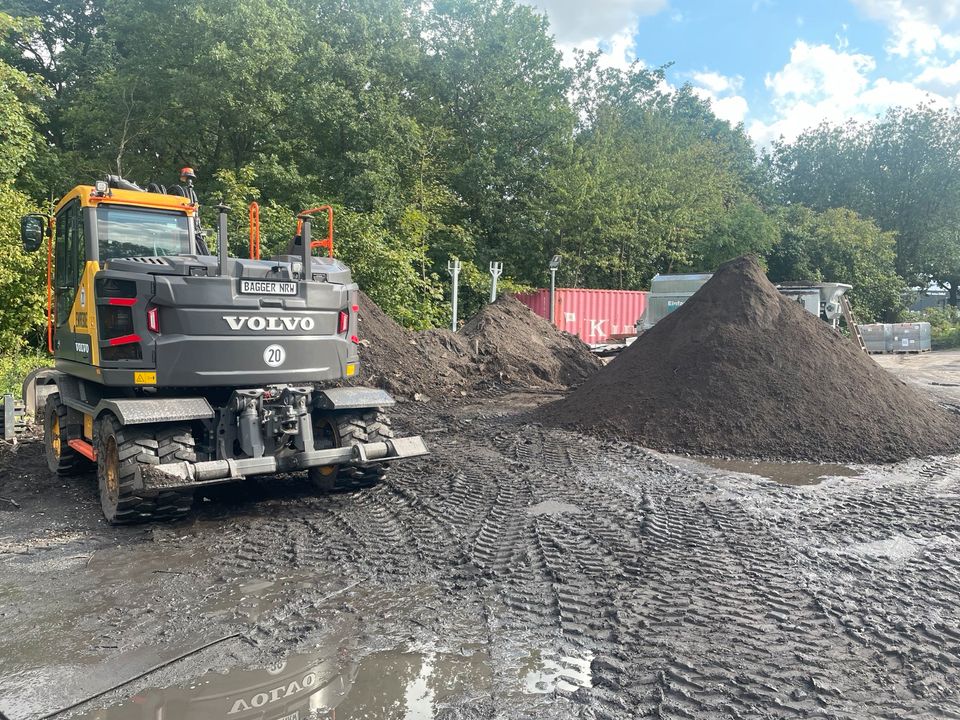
pixel 591 315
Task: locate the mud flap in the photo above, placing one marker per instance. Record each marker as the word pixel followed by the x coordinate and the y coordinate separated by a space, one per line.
pixel 352 398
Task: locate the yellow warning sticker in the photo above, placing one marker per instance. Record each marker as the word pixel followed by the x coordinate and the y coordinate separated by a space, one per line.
pixel 144 378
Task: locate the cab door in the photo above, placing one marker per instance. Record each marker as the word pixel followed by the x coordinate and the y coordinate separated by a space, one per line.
pixel 72 336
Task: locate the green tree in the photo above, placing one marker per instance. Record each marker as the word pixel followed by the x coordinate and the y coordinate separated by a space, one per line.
pixel 839 246
pixel 22 276
pixel 902 170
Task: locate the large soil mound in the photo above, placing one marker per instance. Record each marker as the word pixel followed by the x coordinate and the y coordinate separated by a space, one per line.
pixel 504 345
pixel 740 370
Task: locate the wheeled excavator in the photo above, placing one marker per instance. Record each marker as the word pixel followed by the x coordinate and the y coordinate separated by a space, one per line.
pixel 177 367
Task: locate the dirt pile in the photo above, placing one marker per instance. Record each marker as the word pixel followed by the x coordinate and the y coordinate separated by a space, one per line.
pixel 740 370
pixel 408 364
pixel 514 346
pixel 505 345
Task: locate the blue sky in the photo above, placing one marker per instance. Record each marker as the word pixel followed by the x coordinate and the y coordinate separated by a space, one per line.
pixel 779 66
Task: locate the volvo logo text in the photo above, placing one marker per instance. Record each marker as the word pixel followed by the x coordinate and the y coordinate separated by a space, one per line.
pixel 259 323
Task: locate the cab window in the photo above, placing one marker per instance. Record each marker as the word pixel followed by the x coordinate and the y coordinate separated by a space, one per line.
pixel 70 256
pixel 135 232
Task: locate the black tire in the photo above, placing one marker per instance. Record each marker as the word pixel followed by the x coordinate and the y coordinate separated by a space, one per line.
pixel 121 454
pixel 346 429
pixel 58 429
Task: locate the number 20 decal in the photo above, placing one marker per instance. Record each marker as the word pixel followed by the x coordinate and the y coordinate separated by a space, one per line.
pixel 274 355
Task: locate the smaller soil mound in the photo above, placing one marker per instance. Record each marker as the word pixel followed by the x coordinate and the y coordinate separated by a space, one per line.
pixel 505 345
pixel 408 364
pixel 514 346
pixel 740 370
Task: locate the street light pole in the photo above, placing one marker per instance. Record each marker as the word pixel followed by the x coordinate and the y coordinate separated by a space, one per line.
pixel 496 270
pixel 453 267
pixel 554 266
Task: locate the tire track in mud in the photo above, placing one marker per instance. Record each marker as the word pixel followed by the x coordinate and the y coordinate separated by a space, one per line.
pixel 896 579
pixel 686 596
pixel 579 554
pixel 707 625
pixel 843 624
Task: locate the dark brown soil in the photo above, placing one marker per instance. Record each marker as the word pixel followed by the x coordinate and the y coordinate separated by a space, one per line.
pixel 405 363
pixel 516 347
pixel 504 346
pixel 739 370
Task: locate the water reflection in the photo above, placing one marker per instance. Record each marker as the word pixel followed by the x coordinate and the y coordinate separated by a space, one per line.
pixel 383 685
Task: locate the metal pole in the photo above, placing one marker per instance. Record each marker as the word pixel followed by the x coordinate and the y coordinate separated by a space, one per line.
pixel 222 256
pixel 496 270
pixel 553 296
pixel 306 252
pixel 453 267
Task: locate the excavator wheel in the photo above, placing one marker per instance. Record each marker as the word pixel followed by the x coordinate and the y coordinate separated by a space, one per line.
pixel 57 431
pixel 345 429
pixel 121 454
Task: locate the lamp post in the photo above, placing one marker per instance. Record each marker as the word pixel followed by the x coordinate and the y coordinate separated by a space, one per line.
pixel 496 270
pixel 554 266
pixel 453 267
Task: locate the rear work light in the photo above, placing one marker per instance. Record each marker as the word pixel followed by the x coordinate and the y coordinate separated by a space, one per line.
pixel 343 322
pixel 153 320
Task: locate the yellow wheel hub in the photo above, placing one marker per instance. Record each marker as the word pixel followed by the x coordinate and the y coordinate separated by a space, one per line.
pixel 324 428
pixel 55 436
pixel 111 468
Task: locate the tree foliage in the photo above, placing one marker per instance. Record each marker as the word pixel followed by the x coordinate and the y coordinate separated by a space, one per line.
pixel 22 289
pixel 839 246
pixel 444 129
pixel 902 170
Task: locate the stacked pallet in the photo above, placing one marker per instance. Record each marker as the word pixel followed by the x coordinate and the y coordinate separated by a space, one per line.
pixel 882 338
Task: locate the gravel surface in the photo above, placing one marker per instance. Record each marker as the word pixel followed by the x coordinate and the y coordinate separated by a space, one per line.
pixel 518 572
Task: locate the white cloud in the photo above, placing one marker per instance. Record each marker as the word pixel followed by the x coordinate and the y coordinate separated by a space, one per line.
pixel 820 84
pixel 607 27
pixel 821 71
pixel 715 82
pixel 574 21
pixel 733 109
pixel 918 28
pixel 940 77
pixel 619 51
pixel 721 91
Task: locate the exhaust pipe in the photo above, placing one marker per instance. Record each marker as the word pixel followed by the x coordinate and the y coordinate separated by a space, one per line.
pixel 222 239
pixel 305 249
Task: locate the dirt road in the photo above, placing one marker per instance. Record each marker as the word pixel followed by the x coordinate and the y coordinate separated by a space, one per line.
pixel 517 572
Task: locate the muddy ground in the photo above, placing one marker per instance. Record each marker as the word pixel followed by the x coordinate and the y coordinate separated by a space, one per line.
pixel 516 573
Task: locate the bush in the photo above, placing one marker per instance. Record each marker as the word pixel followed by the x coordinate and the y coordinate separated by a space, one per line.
pixel 14 366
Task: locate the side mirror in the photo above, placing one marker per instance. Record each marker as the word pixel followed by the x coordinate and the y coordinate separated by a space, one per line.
pixel 33 228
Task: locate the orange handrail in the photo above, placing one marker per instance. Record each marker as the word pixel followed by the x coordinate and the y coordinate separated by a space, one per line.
pixel 327 242
pixel 254 231
pixel 50 285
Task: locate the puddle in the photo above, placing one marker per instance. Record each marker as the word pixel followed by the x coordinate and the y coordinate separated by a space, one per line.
pixel 394 684
pixel 552 507
pixel 407 685
pixel 249 599
pixel 546 672
pixel 785 473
